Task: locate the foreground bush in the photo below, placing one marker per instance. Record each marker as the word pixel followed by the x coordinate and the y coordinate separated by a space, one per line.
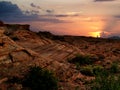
pixel 106 81
pixel 39 79
pixel 91 70
pixel 114 68
pixel 82 60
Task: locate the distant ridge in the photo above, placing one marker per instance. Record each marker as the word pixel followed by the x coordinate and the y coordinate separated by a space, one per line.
pixel 114 37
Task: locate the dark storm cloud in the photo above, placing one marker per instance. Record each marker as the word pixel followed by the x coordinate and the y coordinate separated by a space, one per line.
pixel 9 9
pixel 38 7
pixel 66 15
pixel 117 16
pixel 12 13
pixel 102 0
pixel 32 4
pixel 61 15
pixel 35 6
pixel 50 11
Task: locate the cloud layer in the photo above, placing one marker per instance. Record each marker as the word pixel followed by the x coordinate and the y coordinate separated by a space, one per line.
pixel 12 13
pixel 33 5
pixel 102 0
pixel 78 17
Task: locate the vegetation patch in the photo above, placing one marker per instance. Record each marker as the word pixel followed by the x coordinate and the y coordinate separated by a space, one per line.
pixel 105 78
pixel 82 60
pixel 91 70
pixel 15 38
pixel 114 68
pixel 37 79
pixel 106 81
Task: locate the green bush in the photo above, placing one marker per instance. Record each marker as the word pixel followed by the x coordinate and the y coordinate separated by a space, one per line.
pixel 98 69
pixel 105 81
pixel 114 68
pixel 82 60
pixel 91 70
pixel 39 79
pixel 87 70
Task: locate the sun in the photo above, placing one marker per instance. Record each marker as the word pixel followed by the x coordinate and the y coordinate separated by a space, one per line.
pixel 95 34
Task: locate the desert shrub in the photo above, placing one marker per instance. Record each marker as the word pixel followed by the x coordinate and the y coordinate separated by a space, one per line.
pixel 14 79
pixel 114 68
pixel 91 70
pixel 87 70
pixel 40 79
pixel 15 38
pixel 82 60
pixel 105 81
pixel 98 69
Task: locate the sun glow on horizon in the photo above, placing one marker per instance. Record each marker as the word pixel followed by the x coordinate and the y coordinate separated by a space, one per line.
pixel 76 25
pixel 95 34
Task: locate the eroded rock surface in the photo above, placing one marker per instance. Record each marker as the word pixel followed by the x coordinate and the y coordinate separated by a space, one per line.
pixel 21 48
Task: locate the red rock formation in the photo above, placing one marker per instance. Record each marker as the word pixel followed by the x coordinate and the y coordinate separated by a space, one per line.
pixel 11 28
pixel 17 26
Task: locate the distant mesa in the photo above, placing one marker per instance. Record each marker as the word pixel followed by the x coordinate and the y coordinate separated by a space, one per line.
pixel 9 28
pixel 114 37
pixel 15 26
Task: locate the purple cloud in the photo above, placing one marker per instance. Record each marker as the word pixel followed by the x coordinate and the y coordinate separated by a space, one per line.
pixel 10 12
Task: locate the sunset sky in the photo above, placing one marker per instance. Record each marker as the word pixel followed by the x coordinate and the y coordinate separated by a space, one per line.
pixel 66 17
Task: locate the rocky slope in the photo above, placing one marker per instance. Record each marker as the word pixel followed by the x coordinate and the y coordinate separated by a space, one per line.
pixel 14 59
pixel 21 48
pixel 55 54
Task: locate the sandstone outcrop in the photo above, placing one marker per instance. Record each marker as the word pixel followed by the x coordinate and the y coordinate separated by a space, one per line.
pixel 21 48
pixel 32 49
pixel 11 52
pixel 10 28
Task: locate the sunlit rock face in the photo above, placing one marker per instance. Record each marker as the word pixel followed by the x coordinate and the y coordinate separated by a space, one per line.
pixel 10 51
pixel 32 49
